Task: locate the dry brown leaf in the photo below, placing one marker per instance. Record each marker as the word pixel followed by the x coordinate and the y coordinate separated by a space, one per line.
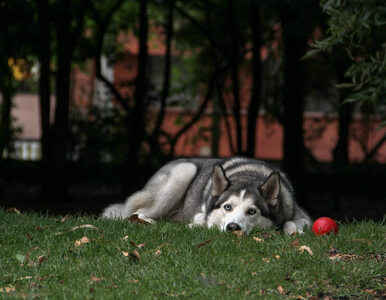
pixel 203 243
pixel 8 289
pixel 305 248
pixel 134 219
pixel 125 253
pixel 158 252
pixel 64 219
pixel 295 243
pixel 95 279
pixel 83 240
pixel 125 238
pixel 258 239
pixel 134 281
pixel 266 259
pixel 13 210
pixel 240 234
pixel 281 290
pixel 134 254
pixel 42 259
pixel 254 273
pixel 139 246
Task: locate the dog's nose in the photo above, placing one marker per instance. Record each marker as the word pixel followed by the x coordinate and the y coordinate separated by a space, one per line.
pixel 233 227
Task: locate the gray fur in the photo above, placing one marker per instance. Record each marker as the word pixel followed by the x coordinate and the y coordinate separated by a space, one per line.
pixel 193 190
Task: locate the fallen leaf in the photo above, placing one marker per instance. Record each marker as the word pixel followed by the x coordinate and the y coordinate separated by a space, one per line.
pixel 254 273
pixel 95 279
pixel 258 239
pixel 135 219
pixel 266 259
pixel 281 290
pixel 64 219
pixel 134 281
pixel 203 243
pixel 125 253
pixel 83 240
pixel 13 210
pixel 276 256
pixel 240 234
pixel 134 254
pixel 295 243
pixel 158 252
pixel 8 289
pixel 139 246
pixel 125 238
pixel 20 258
pixel 28 253
pixel 90 226
pixel 42 259
pixel 25 278
pixel 306 248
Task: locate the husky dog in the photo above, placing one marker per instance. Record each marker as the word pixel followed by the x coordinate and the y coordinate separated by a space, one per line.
pixel 234 194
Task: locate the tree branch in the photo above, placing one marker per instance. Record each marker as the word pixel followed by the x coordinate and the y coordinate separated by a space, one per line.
pixel 195 118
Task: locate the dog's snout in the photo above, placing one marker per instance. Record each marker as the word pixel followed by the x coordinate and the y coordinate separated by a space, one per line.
pixel 233 227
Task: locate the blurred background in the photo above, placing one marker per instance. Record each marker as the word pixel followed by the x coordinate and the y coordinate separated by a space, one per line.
pixel 96 95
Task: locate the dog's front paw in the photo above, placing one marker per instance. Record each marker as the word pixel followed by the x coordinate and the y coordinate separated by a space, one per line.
pixel 291 228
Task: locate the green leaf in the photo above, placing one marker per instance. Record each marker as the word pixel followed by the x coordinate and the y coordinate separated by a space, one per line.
pixel 20 258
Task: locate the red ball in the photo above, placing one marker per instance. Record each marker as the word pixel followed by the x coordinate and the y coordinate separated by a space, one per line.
pixel 324 225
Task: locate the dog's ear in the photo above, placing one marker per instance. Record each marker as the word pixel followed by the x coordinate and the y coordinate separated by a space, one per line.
pixel 219 180
pixel 270 189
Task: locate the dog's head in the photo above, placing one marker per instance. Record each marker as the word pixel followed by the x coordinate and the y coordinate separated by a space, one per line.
pixel 243 204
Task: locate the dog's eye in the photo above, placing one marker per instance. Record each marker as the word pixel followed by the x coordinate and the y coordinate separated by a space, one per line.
pixel 251 211
pixel 227 207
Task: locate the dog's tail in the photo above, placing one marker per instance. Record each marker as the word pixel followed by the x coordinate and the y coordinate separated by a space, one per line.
pixel 113 211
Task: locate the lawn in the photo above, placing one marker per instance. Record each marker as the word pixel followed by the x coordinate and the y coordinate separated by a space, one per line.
pixel 82 257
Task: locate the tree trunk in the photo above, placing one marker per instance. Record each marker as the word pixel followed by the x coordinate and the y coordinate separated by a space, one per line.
pixel 44 94
pixel 295 45
pixel 341 150
pixel 166 83
pixel 255 100
pixel 5 121
pixel 234 63
pixel 136 124
pixel 59 176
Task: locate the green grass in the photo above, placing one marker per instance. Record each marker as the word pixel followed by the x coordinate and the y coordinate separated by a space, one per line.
pixel 226 266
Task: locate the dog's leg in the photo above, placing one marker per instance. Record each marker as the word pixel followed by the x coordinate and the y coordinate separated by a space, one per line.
pixel 162 194
pixel 296 225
